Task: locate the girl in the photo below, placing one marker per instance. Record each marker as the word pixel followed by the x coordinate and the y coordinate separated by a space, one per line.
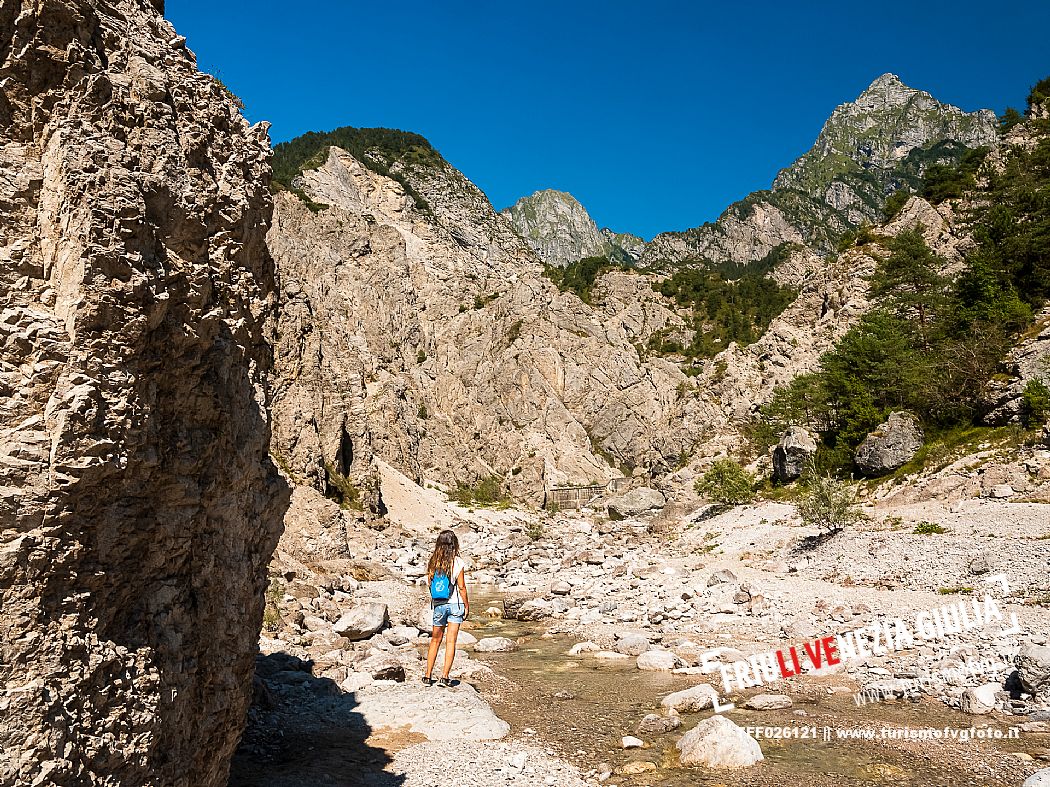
pixel 451 611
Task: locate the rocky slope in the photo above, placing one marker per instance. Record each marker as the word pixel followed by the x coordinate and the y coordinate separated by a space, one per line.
pixel 867 150
pixel 433 342
pixel 430 339
pixel 561 230
pixel 137 503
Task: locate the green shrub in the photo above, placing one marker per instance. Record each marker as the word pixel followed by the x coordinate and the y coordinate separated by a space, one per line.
pixel 342 488
pixel 1035 403
pixel 1010 118
pixel 237 102
pixel 925 528
pixel 484 493
pixel 828 503
pixel 727 483
pixel 944 181
pixel 1039 93
pixel 895 202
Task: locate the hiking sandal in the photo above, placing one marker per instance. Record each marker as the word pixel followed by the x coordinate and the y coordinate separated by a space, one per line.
pixel 428 681
pixel 443 683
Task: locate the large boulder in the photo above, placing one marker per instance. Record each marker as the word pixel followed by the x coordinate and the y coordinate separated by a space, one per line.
pixel 635 502
pixel 795 448
pixel 362 621
pixel 1033 668
pixel 139 505
pixel 891 445
pixel 1038 779
pixel 717 742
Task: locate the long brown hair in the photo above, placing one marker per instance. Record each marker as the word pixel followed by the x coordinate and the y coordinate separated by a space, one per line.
pixel 445 551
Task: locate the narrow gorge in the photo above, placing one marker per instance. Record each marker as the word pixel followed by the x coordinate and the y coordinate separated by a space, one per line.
pixel 245 385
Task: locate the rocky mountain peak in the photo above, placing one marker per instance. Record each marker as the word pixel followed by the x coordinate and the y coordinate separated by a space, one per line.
pixel 557 226
pixel 561 231
pixel 886 123
pixel 867 149
pixel 887 84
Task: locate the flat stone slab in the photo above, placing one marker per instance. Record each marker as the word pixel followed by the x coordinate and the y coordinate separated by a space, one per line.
pixel 457 713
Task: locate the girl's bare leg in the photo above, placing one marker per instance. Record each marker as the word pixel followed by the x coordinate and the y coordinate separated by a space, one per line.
pixel 432 652
pixel 450 648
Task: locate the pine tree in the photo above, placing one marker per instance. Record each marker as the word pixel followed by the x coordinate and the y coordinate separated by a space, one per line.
pixel 911 282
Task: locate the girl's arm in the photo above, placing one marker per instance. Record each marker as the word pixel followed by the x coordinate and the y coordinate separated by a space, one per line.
pixel 463 593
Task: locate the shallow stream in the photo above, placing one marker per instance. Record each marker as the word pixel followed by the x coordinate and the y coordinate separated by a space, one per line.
pixel 609 698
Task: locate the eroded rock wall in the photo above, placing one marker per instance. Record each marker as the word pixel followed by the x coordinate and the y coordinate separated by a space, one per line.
pixel 435 343
pixel 138 505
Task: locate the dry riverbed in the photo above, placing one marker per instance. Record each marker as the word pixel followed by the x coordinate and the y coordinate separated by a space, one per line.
pixel 339 705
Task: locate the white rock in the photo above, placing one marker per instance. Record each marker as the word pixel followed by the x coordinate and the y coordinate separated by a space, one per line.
pixel 658 661
pixel 362 621
pixel 691 700
pixel 495 645
pixel 980 700
pixel 633 643
pixel 631 742
pixel 716 742
pixel 583 647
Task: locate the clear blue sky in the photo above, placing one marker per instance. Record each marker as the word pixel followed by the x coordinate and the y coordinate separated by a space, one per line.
pixel 655 114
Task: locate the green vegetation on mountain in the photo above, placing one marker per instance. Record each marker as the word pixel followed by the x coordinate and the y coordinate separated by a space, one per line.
pixel 932 342
pixel 943 182
pixel 579 277
pixel 1040 92
pixel 376 148
pixel 728 302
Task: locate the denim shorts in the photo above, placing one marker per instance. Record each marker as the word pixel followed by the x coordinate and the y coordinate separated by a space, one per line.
pixel 449 613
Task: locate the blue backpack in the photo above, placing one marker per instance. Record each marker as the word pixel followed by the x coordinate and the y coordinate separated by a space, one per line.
pixel 440 587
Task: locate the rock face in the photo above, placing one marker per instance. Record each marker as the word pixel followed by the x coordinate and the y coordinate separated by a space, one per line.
pixel 431 340
pixel 716 742
pixel 138 502
pixel 892 444
pixel 867 150
pixel 561 230
pixel 1003 396
pixel 795 448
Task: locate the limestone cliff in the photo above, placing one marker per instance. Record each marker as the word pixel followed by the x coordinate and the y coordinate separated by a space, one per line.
pixel 431 340
pixel 138 507
pixel 867 149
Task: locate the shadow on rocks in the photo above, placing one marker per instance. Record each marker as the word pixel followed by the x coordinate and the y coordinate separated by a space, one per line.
pixel 303 731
